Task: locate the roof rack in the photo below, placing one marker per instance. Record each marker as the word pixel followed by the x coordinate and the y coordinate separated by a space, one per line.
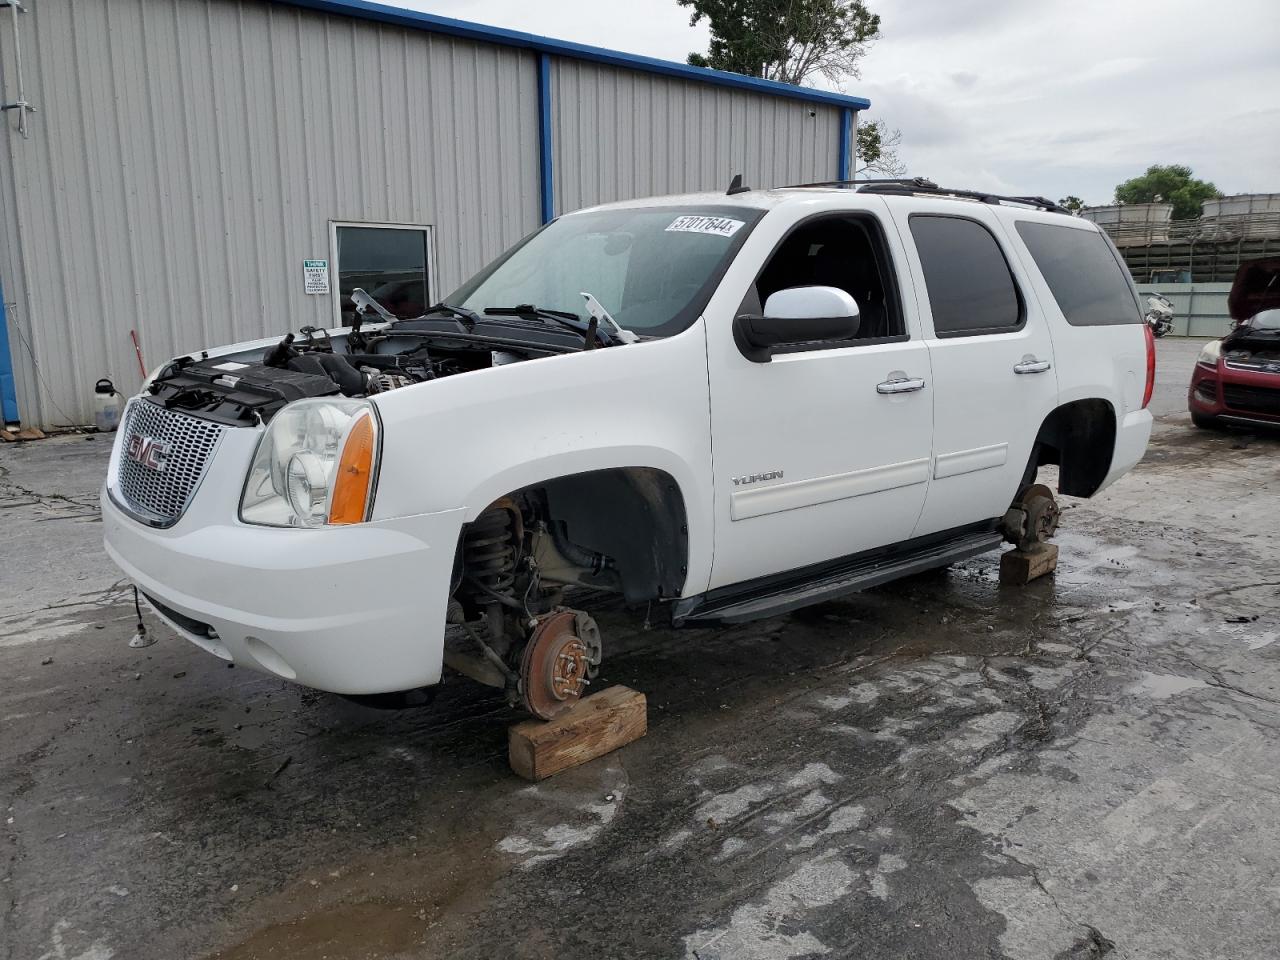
pixel 921 185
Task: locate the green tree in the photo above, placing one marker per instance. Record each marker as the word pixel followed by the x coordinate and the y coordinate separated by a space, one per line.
pixel 786 40
pixel 878 150
pixel 1169 184
pixel 1071 202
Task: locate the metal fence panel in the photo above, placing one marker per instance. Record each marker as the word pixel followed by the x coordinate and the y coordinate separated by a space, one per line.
pixel 1199 309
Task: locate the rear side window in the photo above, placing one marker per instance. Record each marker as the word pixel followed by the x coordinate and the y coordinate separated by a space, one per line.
pixel 1089 283
pixel 971 288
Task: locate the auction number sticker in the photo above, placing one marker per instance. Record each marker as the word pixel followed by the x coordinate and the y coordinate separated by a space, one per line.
pixel 716 226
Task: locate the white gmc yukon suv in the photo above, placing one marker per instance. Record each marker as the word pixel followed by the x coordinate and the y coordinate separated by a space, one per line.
pixel 722 406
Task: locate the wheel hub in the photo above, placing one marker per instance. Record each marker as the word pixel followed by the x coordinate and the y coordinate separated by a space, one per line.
pixel 1042 516
pixel 555 666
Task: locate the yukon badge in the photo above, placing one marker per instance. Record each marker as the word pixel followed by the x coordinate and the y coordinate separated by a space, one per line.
pixel 756 477
pixel 148 451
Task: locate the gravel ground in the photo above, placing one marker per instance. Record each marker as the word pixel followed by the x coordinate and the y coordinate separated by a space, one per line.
pixel 938 768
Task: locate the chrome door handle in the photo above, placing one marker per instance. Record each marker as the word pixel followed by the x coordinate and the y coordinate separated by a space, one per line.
pixel 902 385
pixel 1030 364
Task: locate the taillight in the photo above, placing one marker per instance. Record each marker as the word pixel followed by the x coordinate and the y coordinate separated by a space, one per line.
pixel 1151 365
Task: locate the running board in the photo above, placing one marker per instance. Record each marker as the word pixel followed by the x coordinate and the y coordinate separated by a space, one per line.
pixel 773 596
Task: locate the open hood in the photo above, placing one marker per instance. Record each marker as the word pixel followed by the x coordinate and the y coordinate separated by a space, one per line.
pixel 1255 288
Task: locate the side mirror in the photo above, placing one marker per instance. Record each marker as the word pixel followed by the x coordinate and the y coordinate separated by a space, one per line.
pixel 797 315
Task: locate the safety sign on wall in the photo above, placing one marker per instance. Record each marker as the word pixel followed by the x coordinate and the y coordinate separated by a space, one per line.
pixel 315 276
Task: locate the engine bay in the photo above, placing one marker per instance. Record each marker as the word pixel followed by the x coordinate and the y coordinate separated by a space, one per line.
pixel 1247 348
pixel 248 387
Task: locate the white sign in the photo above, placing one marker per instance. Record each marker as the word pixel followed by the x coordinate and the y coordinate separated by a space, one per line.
pixel 315 276
pixel 716 226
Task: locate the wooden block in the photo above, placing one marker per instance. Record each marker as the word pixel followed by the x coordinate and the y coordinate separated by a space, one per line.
pixel 1018 567
pixel 592 727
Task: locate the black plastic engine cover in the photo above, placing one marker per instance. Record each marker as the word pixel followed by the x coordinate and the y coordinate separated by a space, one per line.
pixel 235 393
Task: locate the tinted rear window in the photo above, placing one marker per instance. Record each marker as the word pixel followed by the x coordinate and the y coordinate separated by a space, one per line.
pixel 1091 286
pixel 971 290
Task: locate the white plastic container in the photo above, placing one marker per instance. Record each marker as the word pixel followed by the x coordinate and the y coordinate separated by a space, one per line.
pixel 107 406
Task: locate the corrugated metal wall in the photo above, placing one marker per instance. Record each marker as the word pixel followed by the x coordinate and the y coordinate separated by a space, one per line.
pixel 620 134
pixel 189 154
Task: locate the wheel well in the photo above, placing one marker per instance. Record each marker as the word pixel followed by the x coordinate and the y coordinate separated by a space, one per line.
pixel 626 526
pixel 1080 438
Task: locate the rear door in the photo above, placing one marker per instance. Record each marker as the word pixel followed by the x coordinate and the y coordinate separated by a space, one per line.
pixel 991 353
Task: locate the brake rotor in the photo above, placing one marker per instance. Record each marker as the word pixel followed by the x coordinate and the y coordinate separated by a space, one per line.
pixel 1036 490
pixel 1042 516
pixel 555 666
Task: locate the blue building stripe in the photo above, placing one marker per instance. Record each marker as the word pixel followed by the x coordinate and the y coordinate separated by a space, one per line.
pixel 545 145
pixel 365 10
pixel 8 390
pixel 846 144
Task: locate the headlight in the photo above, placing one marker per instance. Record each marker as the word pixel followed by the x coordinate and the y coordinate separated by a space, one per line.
pixel 1210 354
pixel 315 465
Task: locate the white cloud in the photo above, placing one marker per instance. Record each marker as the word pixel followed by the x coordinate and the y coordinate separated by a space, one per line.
pixel 1048 97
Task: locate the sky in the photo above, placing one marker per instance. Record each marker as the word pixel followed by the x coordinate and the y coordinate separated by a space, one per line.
pixel 1044 97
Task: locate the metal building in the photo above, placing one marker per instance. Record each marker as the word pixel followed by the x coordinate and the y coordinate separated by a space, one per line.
pixel 196 172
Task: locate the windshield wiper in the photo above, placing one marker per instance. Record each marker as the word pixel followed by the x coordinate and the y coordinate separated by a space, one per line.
pixel 468 318
pixel 563 318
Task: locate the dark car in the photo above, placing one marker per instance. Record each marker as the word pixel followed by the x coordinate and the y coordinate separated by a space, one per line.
pixel 1236 379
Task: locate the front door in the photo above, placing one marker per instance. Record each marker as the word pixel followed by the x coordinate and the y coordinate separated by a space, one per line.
pixel 826 451
pixel 992 357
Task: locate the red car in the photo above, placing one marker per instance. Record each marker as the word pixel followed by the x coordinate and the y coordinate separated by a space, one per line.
pixel 1236 380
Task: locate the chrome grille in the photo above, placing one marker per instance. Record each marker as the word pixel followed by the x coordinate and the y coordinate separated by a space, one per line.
pixel 159 496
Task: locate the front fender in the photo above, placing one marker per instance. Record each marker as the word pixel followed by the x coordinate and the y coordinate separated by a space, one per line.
pixel 464 441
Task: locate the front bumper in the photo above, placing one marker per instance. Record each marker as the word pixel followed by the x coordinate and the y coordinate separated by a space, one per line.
pixel 350 609
pixel 1242 397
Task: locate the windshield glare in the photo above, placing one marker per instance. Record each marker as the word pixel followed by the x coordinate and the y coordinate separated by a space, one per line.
pixel 1266 320
pixel 652 268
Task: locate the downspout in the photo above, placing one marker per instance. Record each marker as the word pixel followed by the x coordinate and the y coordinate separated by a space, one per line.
pixel 844 166
pixel 545 146
pixel 8 392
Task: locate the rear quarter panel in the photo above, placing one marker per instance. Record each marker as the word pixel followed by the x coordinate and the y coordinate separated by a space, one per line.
pixel 1106 362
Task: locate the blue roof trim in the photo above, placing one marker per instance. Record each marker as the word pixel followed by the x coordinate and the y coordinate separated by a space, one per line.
pixel 417 20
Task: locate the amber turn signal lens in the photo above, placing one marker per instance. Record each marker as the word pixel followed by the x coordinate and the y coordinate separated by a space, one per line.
pixel 352 484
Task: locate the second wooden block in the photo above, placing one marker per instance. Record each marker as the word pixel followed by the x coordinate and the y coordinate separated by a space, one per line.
pixel 1020 567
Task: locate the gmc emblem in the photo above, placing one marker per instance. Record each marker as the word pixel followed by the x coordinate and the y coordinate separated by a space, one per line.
pixel 148 451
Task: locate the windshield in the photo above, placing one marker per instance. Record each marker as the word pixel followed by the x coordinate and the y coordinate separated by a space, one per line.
pixel 652 268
